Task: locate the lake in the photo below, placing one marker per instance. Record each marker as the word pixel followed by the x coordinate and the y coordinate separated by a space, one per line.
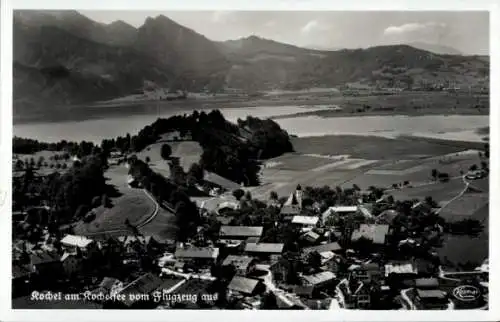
pixel 451 127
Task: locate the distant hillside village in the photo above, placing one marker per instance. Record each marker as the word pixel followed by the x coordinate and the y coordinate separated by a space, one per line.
pixel 75 241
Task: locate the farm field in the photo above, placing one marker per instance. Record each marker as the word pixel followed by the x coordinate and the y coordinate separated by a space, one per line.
pixel 373 148
pixel 465 206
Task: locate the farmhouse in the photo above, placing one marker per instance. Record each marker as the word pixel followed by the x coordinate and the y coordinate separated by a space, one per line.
pixel 353 294
pixel 338 211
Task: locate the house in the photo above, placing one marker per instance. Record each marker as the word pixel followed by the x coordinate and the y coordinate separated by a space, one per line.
pixel 426 295
pixel 290 210
pixel 318 280
pixel 198 256
pixel 46 264
pixel 239 232
pixel 367 272
pixel 243 264
pixel 338 211
pixel 245 286
pixel 264 249
pixel 305 221
pixel 353 294
pixel 387 217
pixel 72 242
pixel 281 269
pixel 132 243
pixel 71 263
pixel 401 269
pixel 310 237
pixel 376 233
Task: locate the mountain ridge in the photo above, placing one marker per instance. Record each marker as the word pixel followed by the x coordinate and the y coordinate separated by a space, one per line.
pixel 121 58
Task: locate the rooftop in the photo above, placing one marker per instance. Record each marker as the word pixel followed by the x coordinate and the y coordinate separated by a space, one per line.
pixel 290 210
pixel 42 257
pixel 318 278
pixel 240 231
pixel 264 248
pixel 305 220
pixel 196 252
pixel 376 233
pixel 426 283
pixel 243 285
pixel 77 241
pixel 427 294
pixel 240 262
pixel 400 268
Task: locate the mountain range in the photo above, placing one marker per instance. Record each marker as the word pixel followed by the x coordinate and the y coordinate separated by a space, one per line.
pixel 63 57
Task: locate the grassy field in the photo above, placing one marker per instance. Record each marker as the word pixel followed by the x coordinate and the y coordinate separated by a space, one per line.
pixel 465 206
pixel 189 152
pixel 129 203
pixel 375 148
pixel 381 162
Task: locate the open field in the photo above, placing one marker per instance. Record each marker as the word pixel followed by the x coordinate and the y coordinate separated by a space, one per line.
pixel 366 161
pixel 465 206
pixel 375 148
pixel 189 152
pixel 439 191
pixel 129 203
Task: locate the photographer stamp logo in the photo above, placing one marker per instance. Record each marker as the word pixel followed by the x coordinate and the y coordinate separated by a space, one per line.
pixel 466 293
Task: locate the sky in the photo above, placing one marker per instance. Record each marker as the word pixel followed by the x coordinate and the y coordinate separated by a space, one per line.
pixel 467 32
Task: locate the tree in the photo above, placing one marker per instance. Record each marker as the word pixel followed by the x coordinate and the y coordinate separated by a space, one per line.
pixel 434 174
pixel 148 159
pixel 106 202
pixel 273 195
pixel 166 151
pixel 314 260
pixel 197 172
pixel 269 302
pixel 96 201
pixel 238 194
pixel 19 165
pixel 248 195
pixel 484 165
pixel 473 167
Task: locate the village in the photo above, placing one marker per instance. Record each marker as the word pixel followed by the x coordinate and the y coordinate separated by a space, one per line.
pixel 343 258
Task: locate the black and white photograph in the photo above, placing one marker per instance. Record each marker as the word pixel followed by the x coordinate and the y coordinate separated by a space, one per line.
pixel 250 160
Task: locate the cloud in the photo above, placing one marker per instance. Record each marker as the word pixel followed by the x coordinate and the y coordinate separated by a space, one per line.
pixel 413 28
pixel 313 26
